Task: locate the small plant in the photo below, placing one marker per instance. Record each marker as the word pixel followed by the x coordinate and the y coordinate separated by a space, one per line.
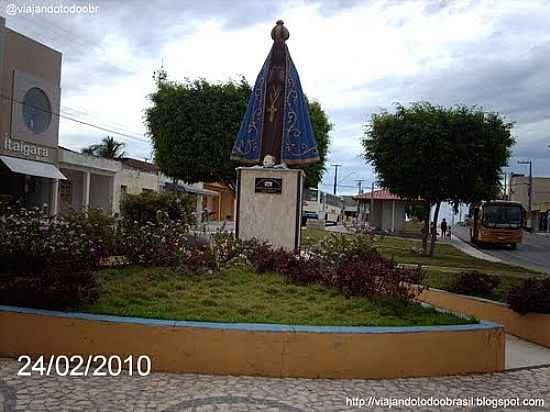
pixel 198 259
pixel 417 251
pixel 533 295
pixel 474 283
pixel 163 242
pixel 144 207
pixel 45 262
pixel 266 259
pixel 301 269
pixel 339 247
pixel 377 278
pixel 226 247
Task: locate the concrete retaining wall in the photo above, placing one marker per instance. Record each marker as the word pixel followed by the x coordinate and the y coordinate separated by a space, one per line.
pixel 533 327
pixel 259 349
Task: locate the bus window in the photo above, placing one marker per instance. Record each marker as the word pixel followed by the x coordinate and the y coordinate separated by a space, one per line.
pixel 500 215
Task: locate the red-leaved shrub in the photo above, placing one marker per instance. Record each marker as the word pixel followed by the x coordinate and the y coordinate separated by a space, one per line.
pixel 474 283
pixel 376 278
pixel 533 295
pixel 301 269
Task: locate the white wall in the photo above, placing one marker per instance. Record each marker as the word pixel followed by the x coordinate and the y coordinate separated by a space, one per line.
pixel 75 180
pixel 135 181
pixel 101 192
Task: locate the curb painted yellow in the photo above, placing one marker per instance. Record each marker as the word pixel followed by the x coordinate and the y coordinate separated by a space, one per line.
pixel 284 351
pixel 533 327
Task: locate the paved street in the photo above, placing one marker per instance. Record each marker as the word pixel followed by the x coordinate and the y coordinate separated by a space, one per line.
pixel 533 253
pixel 189 392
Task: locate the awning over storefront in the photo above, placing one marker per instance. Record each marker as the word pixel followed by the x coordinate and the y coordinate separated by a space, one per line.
pixel 189 189
pixel 32 167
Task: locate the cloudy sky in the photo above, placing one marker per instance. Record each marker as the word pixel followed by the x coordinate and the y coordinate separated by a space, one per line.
pixel 354 57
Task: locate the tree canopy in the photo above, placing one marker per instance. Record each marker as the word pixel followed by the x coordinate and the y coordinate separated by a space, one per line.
pixel 109 148
pixel 439 154
pixel 193 126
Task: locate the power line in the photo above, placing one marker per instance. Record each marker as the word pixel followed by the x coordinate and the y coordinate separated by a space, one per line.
pixel 332 185
pixel 66 110
pixel 353 171
pixel 105 129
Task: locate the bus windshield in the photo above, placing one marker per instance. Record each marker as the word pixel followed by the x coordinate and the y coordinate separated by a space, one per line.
pixel 503 216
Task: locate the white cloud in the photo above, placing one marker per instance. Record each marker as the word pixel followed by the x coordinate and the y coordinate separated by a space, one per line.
pixel 354 57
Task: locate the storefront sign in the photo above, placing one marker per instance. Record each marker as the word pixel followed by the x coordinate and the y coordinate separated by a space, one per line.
pixel 26 149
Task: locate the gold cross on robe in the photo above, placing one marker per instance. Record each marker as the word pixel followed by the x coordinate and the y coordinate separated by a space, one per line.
pixel 272 110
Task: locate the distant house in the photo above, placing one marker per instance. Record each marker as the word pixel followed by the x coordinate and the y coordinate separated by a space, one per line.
pixel 382 209
pixel 97 182
pixel 540 202
pixel 222 206
pixel 350 207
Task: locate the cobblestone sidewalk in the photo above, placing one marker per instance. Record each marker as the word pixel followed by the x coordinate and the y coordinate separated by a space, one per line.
pixel 189 392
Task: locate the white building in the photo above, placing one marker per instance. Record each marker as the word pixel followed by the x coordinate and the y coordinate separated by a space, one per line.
pixel 96 182
pixel 30 79
pixel 34 169
pixel 540 199
pixel 383 210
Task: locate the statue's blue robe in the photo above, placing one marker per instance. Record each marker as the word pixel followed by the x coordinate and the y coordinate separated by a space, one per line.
pixel 298 142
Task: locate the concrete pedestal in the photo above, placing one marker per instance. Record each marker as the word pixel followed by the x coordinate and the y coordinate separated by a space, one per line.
pixel 269 205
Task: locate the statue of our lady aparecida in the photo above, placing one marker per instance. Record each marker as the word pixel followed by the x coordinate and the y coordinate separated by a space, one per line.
pixel 276 128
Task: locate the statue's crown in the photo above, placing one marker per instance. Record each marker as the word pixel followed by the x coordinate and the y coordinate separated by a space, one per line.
pixel 280 32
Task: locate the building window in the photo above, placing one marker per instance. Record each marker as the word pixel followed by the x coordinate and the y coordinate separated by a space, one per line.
pixel 66 191
pixel 37 110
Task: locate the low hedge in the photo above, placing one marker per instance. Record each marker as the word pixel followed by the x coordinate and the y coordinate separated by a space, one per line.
pixel 533 295
pixel 474 283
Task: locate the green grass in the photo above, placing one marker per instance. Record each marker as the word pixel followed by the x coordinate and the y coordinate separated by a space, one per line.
pixel 445 255
pixel 239 295
pixel 443 280
pixel 445 265
pixel 311 237
pixel 413 229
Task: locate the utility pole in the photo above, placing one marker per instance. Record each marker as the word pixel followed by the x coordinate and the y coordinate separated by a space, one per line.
pixel 530 193
pixel 359 193
pixel 371 209
pixel 359 185
pixel 335 177
pixel 529 189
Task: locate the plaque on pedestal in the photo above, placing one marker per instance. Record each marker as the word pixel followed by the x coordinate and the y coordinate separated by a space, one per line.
pixel 269 205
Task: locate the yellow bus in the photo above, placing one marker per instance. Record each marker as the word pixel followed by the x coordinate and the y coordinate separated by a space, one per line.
pixel 498 222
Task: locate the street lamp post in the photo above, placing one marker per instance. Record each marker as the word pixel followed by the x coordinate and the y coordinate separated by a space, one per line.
pixel 529 189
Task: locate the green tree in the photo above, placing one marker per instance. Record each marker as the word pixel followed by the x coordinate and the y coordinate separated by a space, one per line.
pixel 417 211
pixel 109 148
pixel 321 129
pixel 193 126
pixel 438 154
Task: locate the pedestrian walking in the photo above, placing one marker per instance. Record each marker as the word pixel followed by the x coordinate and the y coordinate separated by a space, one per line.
pixel 443 228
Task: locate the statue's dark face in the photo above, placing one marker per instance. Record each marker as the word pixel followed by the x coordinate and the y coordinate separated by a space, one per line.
pixel 278 56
